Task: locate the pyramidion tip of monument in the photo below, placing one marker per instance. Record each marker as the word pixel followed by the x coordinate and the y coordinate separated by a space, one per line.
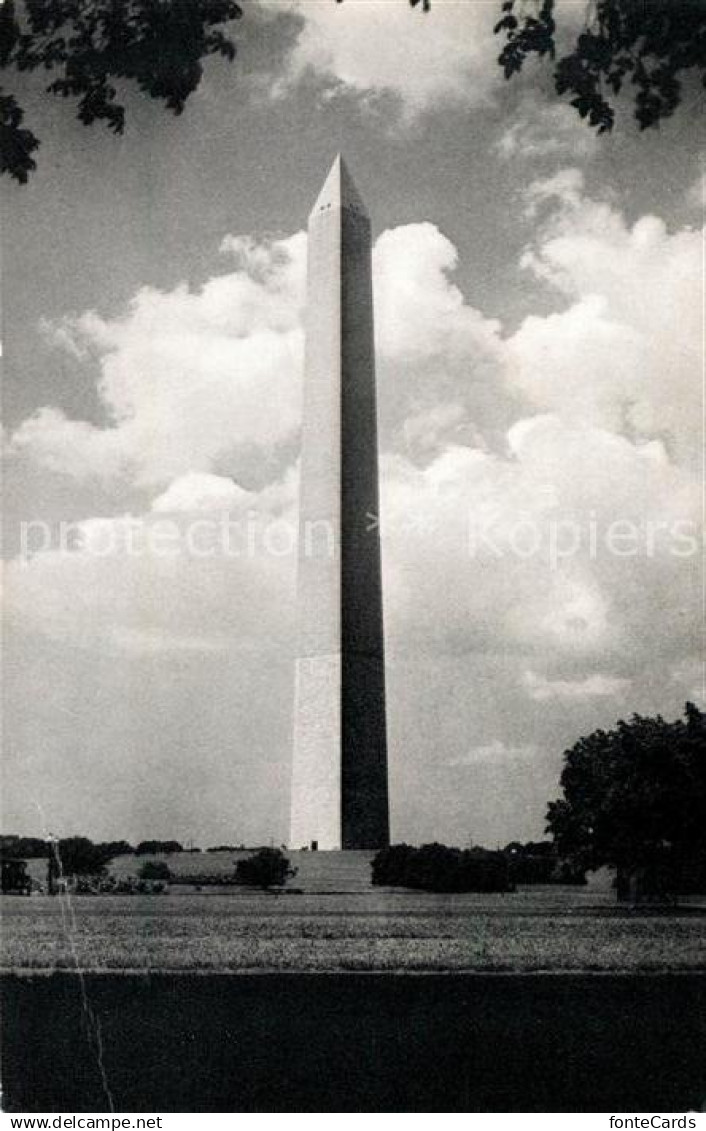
pixel 339 190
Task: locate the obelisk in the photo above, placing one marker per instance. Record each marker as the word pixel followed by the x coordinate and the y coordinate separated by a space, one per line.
pixel 339 777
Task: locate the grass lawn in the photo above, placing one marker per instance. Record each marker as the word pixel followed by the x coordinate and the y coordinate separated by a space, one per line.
pixel 234 931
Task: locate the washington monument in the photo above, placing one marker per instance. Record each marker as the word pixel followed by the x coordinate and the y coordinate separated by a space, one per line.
pixel 339 778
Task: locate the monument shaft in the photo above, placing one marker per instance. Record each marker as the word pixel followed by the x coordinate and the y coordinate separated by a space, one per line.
pixel 339 782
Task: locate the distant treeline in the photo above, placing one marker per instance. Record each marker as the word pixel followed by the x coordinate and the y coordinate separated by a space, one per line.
pixel 80 847
pixel 153 847
pixel 33 848
pixel 24 847
pixel 30 847
pixel 446 869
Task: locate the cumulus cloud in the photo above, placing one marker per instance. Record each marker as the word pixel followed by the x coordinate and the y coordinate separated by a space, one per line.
pixel 696 195
pixel 626 351
pixel 543 690
pixel 152 583
pixel 187 377
pixel 496 751
pixel 608 418
pixel 199 491
pixel 420 312
pixel 552 130
pixel 440 359
pixel 563 550
pixel 557 554
pixel 540 491
pixel 374 48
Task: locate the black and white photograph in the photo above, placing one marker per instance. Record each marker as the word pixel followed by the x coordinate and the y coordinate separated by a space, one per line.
pixel 354 614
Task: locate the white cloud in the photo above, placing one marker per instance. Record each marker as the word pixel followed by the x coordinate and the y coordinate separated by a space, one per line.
pixel 563 550
pixel 626 352
pixel 187 377
pixel 496 751
pixel 565 186
pixel 696 195
pixel 429 431
pixel 378 47
pixel 191 378
pixel 691 675
pixel 605 434
pixel 221 367
pixel 551 130
pixel 147 583
pixel 199 491
pixel 591 687
pixel 75 448
pixel 420 312
pixel 440 359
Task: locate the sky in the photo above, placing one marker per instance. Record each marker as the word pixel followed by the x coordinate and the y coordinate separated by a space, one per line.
pixel 539 330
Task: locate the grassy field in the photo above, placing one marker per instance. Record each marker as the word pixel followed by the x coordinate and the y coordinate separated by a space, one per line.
pixel 553 929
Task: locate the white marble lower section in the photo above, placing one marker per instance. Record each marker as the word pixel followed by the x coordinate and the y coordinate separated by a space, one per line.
pixel 316 766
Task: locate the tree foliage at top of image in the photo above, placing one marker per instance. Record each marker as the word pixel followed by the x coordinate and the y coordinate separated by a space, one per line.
pixel 645 43
pixel 88 45
pixel 648 44
pixel 635 797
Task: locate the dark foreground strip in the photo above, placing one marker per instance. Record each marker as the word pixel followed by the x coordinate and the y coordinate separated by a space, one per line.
pixel 385 1043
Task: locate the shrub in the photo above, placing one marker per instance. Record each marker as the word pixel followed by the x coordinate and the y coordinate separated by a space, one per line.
pixel 87 885
pixel 538 862
pixel 391 865
pixel 267 868
pixel 154 870
pixel 435 867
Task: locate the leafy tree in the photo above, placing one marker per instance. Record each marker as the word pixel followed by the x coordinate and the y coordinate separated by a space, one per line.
pixel 267 868
pixel 635 798
pixel 647 43
pixel 79 856
pixel 89 45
